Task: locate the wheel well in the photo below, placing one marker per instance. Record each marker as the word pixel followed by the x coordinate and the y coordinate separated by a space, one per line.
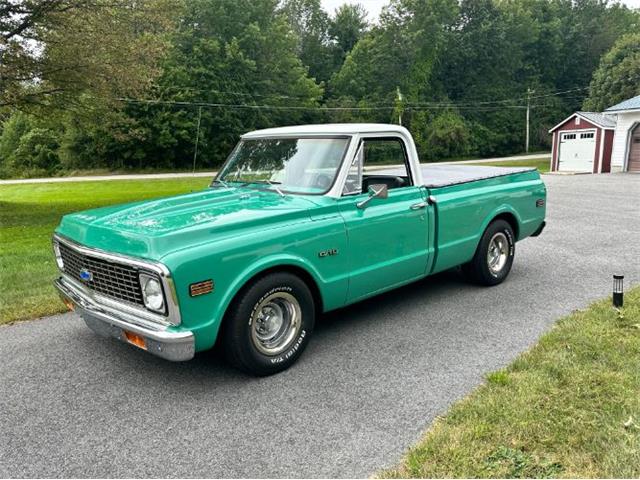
pixel 294 270
pixel 511 219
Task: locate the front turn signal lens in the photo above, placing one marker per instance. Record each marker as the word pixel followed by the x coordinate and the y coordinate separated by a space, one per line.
pixel 69 304
pixel 135 339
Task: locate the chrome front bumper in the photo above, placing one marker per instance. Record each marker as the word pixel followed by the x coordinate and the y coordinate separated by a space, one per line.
pixel 108 322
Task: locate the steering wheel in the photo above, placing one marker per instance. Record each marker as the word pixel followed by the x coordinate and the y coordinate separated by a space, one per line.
pixel 323 181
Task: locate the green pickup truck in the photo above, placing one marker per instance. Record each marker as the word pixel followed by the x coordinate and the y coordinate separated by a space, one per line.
pixel 299 221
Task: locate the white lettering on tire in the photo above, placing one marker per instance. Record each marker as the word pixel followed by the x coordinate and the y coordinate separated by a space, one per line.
pixel 294 348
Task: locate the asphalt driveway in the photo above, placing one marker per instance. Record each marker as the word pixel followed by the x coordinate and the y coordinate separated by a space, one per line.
pixel 372 379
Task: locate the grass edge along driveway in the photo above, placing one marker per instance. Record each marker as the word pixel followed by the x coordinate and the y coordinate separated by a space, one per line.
pixel 542 164
pixel 568 407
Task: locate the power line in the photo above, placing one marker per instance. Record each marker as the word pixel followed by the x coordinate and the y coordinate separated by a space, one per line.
pixel 237 94
pixel 377 105
pixel 307 108
pixel 480 105
pixel 490 102
pixel 245 106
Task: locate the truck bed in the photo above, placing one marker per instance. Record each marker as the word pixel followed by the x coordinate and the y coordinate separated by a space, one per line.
pixel 437 176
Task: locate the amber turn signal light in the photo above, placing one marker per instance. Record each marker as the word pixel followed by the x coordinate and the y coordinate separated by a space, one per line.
pixel 69 304
pixel 135 339
pixel 200 288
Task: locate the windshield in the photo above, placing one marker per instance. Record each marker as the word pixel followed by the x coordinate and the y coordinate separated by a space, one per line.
pixel 293 165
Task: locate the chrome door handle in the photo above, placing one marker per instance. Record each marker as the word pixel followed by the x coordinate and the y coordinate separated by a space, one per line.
pixel 418 206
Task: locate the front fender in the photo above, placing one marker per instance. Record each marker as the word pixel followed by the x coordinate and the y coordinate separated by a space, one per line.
pixel 203 315
pixel 230 263
pixel 271 262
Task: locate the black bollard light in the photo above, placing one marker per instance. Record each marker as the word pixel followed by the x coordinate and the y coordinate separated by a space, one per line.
pixel 618 291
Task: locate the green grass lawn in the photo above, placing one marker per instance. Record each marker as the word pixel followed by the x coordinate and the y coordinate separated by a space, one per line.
pixel 542 164
pixel 28 215
pixel 569 407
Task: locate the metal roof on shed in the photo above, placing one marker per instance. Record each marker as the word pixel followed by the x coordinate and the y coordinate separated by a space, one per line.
pixel 598 119
pixel 629 104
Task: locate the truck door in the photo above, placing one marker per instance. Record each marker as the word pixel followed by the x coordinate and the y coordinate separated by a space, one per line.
pixel 387 237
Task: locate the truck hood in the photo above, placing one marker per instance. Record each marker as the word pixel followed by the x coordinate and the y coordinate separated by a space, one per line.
pixel 154 228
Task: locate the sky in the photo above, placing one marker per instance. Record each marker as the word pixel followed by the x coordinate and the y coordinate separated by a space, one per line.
pixel 374 6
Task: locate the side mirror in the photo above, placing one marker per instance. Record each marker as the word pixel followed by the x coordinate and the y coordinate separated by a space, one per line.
pixel 375 191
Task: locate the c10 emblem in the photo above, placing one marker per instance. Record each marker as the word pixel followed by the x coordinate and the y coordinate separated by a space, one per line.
pixel 328 253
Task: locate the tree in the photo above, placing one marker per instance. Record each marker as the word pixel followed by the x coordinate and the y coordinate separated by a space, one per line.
pixel 54 50
pixel 310 23
pixel 13 129
pixel 486 70
pixel 347 26
pixel 618 76
pixel 497 50
pixel 400 52
pixel 229 57
pixel 28 147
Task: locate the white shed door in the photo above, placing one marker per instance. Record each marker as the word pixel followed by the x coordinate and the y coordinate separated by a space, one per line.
pixel 577 150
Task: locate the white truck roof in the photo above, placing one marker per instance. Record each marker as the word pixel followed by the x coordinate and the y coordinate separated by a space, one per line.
pixel 329 129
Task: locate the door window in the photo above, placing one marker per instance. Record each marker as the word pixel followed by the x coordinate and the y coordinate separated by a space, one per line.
pixel 372 154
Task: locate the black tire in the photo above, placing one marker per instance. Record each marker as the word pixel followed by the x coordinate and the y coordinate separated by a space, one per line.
pixel 246 343
pixel 479 269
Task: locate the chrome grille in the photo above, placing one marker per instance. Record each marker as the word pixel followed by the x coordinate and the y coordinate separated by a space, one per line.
pixel 114 280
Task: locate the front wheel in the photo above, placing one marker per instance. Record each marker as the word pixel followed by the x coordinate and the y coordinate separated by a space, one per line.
pixel 269 324
pixel 494 256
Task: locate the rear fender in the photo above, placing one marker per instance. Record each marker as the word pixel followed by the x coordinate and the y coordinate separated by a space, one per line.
pixel 502 210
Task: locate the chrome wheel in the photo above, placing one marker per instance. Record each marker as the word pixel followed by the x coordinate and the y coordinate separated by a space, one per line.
pixel 498 253
pixel 275 323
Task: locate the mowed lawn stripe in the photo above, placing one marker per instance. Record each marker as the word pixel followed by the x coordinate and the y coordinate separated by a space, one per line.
pixel 569 407
pixel 542 164
pixel 28 215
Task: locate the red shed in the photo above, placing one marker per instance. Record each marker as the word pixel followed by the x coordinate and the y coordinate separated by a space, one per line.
pixel 583 142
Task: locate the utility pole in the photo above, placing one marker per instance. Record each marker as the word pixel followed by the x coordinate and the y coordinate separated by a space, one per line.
pixel 195 152
pixel 526 145
pixel 399 99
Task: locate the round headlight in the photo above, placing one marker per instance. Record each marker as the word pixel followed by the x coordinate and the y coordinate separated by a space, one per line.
pixel 152 293
pixel 56 251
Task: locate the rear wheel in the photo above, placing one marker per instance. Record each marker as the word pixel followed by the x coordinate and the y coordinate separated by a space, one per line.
pixel 269 324
pixel 494 256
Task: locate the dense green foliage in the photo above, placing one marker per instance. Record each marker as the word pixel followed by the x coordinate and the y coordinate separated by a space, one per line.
pixel 456 73
pixel 51 51
pixel 618 76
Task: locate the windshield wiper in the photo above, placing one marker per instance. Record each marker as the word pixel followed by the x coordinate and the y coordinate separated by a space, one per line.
pixel 221 182
pixel 270 183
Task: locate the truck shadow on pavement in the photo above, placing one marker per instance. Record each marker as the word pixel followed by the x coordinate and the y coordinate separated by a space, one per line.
pixel 333 331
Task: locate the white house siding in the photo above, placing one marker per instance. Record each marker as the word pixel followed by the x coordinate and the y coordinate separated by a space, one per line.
pixel 626 121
